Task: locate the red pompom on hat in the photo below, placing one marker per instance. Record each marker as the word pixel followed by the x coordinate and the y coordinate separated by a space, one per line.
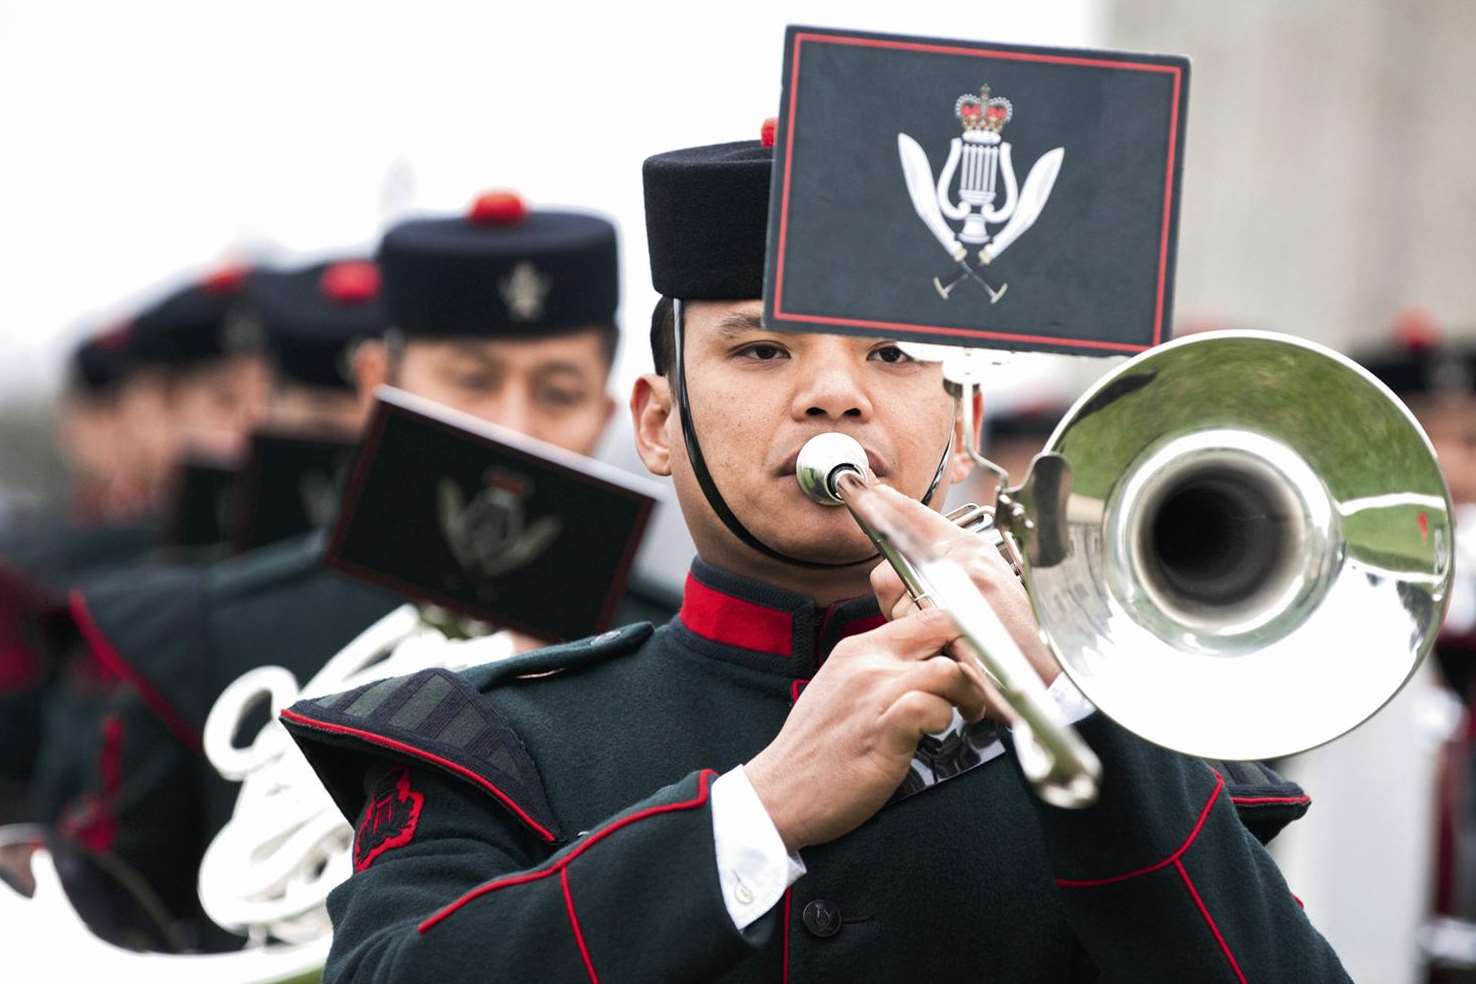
pixel 1416 330
pixel 498 208
pixel 351 282
pixel 766 132
pixel 226 280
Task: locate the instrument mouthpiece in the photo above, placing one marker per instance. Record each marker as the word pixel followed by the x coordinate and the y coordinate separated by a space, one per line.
pixel 822 460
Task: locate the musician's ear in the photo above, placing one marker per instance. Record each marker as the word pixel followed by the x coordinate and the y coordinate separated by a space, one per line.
pixel 651 418
pixel 959 463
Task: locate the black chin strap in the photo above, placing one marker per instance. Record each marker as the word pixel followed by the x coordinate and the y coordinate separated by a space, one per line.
pixel 704 477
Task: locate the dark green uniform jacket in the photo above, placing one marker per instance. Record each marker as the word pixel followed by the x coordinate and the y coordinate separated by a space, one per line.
pixel 548 819
pixel 125 776
pixel 41 555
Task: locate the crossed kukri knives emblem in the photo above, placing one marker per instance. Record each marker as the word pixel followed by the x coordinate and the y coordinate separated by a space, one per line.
pixel 980 159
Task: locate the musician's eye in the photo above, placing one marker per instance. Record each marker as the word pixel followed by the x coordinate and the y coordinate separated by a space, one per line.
pixel 890 354
pixel 762 352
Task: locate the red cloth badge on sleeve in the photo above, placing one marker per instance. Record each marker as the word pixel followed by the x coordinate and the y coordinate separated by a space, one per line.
pixel 390 818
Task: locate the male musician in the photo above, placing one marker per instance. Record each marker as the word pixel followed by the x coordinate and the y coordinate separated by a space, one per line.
pixel 744 821
pixel 201 378
pixel 456 322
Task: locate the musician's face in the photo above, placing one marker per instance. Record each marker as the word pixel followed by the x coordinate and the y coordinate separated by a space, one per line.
pixel 213 407
pixel 549 388
pixel 757 396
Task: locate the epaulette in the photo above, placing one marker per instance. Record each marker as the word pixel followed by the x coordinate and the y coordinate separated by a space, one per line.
pixel 266 567
pixel 439 719
pixel 1264 800
pixel 566 656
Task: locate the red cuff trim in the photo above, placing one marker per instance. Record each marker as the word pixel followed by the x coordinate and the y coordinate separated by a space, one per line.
pixel 94 823
pixel 1270 800
pixel 1210 922
pixel 1171 859
pixel 423 755
pixel 703 781
pixel 721 618
pixel 574 924
pixel 109 657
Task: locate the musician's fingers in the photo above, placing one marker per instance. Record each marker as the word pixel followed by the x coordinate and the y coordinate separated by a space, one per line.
pixel 914 714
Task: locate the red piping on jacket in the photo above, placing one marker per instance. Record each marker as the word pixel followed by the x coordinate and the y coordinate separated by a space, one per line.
pixel 95 824
pixel 703 781
pixel 423 755
pixel 1171 859
pixel 1209 921
pixel 102 648
pixel 788 901
pixel 574 923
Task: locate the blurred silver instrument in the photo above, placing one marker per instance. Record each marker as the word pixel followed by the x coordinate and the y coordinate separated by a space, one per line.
pixel 1230 520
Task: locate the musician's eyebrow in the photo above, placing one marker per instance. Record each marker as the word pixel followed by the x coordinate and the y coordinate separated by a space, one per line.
pixel 736 324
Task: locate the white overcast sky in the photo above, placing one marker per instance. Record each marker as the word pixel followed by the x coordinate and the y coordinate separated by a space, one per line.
pixel 146 138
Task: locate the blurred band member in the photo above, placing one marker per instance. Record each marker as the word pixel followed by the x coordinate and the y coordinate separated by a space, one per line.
pixel 504 312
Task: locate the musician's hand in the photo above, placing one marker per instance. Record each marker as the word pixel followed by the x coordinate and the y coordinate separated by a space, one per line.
pixel 847 743
pixel 986 567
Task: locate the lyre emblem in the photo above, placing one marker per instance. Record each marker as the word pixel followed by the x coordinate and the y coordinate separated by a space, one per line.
pixel 981 161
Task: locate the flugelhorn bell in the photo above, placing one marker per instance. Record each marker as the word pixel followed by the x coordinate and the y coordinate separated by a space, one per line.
pixel 1252 521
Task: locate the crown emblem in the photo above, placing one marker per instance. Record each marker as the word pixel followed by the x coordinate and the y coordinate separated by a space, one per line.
pixel 983 113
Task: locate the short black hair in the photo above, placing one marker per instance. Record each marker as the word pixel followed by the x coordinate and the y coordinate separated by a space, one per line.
pixel 663 336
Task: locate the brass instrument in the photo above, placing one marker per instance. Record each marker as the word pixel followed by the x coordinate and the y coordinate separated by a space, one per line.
pixel 1227 521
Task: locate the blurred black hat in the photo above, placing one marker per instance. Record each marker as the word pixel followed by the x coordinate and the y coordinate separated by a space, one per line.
pixel 1034 420
pixel 99 361
pixel 1419 360
pixel 501 270
pixel 311 318
pixel 707 215
pixel 194 324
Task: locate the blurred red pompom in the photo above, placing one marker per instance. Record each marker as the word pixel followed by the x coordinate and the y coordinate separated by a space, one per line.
pixel 498 208
pixel 351 282
pixel 226 280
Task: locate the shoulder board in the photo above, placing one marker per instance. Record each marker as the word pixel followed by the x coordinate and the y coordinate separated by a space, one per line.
pixel 434 718
pixel 1264 800
pixel 266 567
pixel 566 656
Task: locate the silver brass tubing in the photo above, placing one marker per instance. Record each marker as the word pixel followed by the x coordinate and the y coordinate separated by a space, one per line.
pixel 832 470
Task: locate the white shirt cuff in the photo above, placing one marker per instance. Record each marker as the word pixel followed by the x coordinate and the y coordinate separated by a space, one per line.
pixel 1072 702
pixel 754 869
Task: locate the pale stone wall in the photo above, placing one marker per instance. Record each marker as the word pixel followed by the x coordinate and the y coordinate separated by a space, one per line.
pixel 1331 169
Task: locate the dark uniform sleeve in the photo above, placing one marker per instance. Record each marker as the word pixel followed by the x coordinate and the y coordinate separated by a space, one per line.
pixel 1163 881
pixel 450 887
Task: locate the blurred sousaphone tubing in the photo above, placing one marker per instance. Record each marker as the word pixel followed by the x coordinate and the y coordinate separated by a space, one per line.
pixel 1238 544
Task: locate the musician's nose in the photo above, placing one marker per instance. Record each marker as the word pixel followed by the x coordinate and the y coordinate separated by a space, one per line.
pixel 831 387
